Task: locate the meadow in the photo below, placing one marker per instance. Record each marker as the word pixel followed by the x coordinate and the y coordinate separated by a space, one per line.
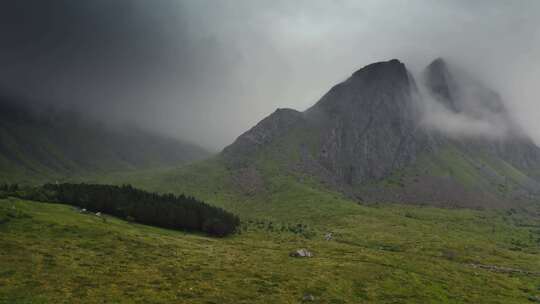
pixel 379 253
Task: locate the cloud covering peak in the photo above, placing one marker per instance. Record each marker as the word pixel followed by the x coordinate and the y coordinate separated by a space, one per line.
pixel 206 71
pixel 458 105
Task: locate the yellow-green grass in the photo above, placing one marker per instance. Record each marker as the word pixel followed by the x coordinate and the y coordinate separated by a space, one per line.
pixel 379 254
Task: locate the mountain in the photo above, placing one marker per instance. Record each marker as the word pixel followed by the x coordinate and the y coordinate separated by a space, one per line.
pixel 365 126
pixel 48 144
pixel 295 180
pixel 371 138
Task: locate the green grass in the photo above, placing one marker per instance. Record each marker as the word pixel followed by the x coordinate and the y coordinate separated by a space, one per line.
pixel 380 254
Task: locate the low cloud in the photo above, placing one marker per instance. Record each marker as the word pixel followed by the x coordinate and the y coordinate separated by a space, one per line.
pixel 206 71
pixel 464 107
pixel 437 116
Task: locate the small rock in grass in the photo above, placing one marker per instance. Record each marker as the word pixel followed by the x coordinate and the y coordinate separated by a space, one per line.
pixel 301 253
pixel 328 236
pixel 308 297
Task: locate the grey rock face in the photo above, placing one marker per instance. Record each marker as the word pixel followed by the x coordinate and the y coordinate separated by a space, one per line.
pixel 301 253
pixel 370 123
pixel 369 127
pixel 438 79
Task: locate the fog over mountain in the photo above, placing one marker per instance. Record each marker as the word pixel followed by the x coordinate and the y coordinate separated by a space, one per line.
pixel 206 71
pixel 453 102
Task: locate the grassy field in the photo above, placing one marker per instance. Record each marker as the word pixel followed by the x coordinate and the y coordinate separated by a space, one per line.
pixel 379 254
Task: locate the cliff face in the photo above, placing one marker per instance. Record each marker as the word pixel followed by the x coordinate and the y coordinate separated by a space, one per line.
pixel 370 124
pixel 366 137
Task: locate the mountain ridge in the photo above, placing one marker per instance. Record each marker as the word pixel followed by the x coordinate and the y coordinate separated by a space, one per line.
pixel 51 144
pixel 365 139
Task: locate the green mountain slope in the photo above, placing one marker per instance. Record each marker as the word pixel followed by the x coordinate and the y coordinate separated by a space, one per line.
pixel 275 181
pixel 37 146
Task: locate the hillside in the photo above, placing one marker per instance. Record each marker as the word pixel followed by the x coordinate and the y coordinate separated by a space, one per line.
pixel 379 254
pixel 48 145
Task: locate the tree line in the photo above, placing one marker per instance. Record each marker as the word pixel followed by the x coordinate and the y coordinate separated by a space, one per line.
pixel 163 210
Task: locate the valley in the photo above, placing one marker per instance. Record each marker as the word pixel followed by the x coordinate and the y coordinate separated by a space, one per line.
pixel 386 208
pixel 378 254
pixel 257 152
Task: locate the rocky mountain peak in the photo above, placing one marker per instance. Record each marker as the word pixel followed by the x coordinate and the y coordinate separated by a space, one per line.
pixel 365 137
pixel 376 87
pixel 441 83
pixel 460 92
pixel 392 70
pixel 439 64
pixel 468 99
pixel 368 123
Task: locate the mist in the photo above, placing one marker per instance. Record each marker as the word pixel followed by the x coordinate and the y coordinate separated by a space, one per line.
pixel 469 109
pixel 206 71
pixel 460 125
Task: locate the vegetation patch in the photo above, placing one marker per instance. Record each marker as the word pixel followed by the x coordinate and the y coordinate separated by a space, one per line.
pixel 162 210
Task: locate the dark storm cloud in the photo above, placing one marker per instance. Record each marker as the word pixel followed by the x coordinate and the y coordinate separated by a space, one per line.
pixel 81 47
pixel 208 70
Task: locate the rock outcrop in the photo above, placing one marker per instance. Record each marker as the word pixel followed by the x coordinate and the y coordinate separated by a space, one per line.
pixel 367 138
pixel 369 124
pixel 301 253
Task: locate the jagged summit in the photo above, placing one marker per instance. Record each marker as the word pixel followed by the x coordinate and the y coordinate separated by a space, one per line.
pixel 365 126
pixel 384 70
pixel 440 82
pixel 379 86
pixel 365 137
pixel 438 64
pixel 468 97
pixel 377 94
pixel 460 92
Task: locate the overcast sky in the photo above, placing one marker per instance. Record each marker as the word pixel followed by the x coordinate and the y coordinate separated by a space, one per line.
pixel 206 71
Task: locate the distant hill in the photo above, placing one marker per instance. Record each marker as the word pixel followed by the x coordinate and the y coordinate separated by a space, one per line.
pixel 43 145
pixel 376 138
